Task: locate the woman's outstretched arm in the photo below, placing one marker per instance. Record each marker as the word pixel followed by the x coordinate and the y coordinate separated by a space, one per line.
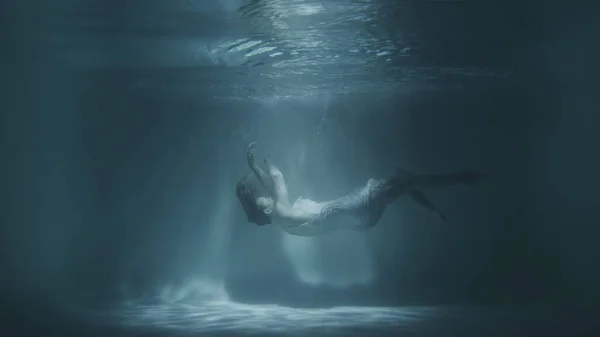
pixel 262 177
pixel 273 181
pixel 279 187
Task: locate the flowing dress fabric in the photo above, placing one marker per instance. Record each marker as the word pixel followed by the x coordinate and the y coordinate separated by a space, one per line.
pixel 358 210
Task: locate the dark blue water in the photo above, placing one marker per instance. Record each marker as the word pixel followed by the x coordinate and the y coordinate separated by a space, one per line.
pixel 123 136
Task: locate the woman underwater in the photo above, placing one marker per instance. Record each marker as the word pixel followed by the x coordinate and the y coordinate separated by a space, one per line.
pixel 358 210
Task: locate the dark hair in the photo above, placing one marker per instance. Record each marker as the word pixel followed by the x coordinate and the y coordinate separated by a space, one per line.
pixel 247 194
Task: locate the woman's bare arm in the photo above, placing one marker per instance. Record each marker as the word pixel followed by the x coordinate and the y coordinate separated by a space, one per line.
pixel 261 176
pixel 279 187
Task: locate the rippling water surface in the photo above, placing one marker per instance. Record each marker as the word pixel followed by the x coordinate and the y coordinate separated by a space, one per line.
pixel 266 48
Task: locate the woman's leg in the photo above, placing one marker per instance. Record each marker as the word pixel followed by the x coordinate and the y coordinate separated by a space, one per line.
pixel 403 181
pixel 440 180
pixel 369 202
pixel 420 198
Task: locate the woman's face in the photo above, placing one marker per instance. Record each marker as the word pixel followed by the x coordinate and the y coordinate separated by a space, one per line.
pixel 265 204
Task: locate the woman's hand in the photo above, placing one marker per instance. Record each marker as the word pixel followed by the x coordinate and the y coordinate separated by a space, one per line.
pixel 250 154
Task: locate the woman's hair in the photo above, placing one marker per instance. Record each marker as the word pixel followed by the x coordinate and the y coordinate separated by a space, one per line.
pixel 247 193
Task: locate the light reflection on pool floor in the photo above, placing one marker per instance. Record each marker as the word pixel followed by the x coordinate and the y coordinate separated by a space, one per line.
pixel 230 318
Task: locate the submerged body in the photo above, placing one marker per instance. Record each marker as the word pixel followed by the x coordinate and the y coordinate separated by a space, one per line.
pixel 358 210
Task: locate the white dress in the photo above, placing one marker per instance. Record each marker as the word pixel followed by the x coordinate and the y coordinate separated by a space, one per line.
pixel 351 212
